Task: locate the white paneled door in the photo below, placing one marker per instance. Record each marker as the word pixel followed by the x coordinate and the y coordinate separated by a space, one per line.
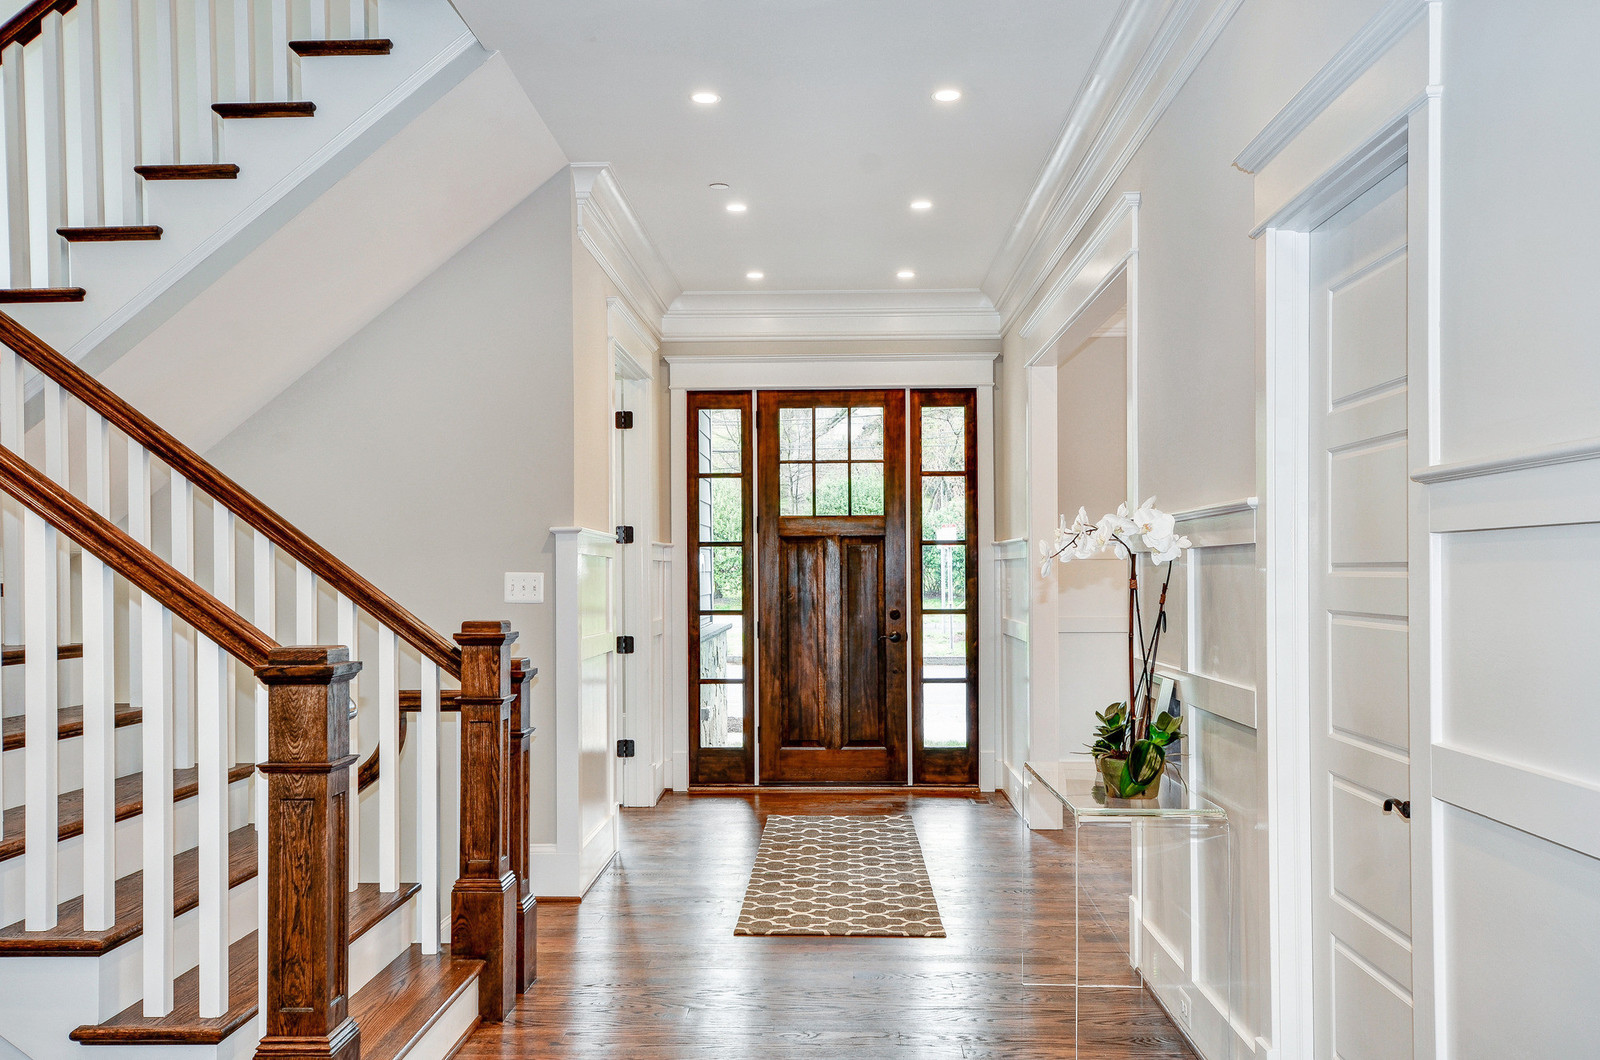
pixel 1360 745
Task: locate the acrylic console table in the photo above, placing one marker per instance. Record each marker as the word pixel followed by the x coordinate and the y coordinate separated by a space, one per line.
pixel 1153 907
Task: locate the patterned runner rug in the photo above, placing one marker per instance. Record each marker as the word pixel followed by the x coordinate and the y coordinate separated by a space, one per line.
pixel 840 875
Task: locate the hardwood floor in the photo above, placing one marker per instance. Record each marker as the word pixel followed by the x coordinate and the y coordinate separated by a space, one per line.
pixel 647 967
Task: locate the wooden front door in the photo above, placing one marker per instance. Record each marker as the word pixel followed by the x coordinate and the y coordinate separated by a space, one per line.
pixel 833 624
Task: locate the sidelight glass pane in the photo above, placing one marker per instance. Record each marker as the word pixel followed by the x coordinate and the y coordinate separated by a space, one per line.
pixel 944 507
pixel 720 443
pixel 944 715
pixel 721 509
pixel 833 434
pixel 794 434
pixel 944 646
pixel 866 489
pixel 833 489
pixel 866 434
pixel 722 647
pixel 722 715
pixel 944 440
pixel 794 489
pixel 721 579
pixel 944 577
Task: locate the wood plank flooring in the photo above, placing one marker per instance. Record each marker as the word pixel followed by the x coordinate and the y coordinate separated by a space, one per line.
pixel 647 967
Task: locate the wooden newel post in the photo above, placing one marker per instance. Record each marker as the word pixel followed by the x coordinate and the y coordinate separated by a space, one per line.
pixel 308 806
pixel 483 908
pixel 521 764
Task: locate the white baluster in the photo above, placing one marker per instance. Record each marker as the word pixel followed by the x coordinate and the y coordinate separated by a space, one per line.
pixel 200 128
pixel 11 425
pixel 158 70
pixel 52 51
pixel 222 587
pixel 91 124
pixel 157 815
pixel 99 694
pixel 427 733
pixel 316 20
pixel 369 17
pixel 122 55
pixel 40 704
pixel 211 724
pixel 13 81
pixel 242 15
pixel 276 44
pixel 139 530
pixel 266 620
pixel 346 610
pixel 305 605
pixel 388 760
pixel 181 495
pixel 55 468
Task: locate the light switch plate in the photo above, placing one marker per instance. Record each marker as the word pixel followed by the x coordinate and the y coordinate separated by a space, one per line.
pixel 524 587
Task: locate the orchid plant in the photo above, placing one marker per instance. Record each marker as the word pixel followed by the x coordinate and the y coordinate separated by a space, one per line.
pixel 1126 732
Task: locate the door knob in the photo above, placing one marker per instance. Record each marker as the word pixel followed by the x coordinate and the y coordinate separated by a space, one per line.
pixel 892 638
pixel 1403 805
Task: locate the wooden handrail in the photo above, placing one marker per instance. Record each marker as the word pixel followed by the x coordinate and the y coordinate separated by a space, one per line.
pixel 25 24
pixel 143 568
pixel 244 505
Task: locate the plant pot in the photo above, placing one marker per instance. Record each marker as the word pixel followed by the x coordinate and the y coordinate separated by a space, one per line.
pixel 1111 772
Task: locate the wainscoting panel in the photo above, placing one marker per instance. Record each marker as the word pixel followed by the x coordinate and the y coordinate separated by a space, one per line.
pixel 1010 585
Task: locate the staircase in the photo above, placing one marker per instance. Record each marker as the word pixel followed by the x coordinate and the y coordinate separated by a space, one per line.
pixel 192 863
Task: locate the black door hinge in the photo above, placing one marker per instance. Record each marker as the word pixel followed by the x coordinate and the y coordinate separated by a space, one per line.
pixel 625 749
pixel 624 421
pixel 624 645
pixel 624 535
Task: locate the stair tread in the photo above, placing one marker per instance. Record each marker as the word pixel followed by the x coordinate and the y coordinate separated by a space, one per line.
pixel 15 295
pixel 184 1026
pixel 69 724
pixel 16 654
pixel 368 905
pixel 68 937
pixel 299 108
pixel 69 807
pixel 109 233
pixel 401 1002
pixel 357 46
pixel 190 171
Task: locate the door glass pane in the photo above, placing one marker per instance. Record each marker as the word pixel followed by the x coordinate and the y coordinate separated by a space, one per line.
pixel 833 489
pixel 722 647
pixel 866 434
pixel 944 715
pixel 866 489
pixel 721 579
pixel 944 507
pixel 833 434
pixel 722 715
pixel 794 434
pixel 944 646
pixel 944 577
pixel 721 509
pixel 944 446
pixel 794 489
pixel 719 441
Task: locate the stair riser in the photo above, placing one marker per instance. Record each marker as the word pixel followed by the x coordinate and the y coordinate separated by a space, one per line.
pixel 386 940
pixel 130 757
pixel 448 1031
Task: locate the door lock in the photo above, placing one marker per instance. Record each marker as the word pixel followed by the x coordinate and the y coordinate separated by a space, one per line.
pixel 892 638
pixel 1402 805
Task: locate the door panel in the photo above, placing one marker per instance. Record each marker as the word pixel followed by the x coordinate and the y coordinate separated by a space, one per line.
pixel 1360 746
pixel 832 532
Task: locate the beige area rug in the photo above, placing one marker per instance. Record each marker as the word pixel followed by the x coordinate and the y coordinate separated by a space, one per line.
pixel 840 875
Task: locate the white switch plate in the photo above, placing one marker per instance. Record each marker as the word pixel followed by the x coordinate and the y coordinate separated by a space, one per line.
pixel 524 587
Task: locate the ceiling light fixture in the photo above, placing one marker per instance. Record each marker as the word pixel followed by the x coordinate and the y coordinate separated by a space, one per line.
pixel 737 207
pixel 922 204
pixel 947 95
pixel 906 274
pixel 706 98
pixel 755 274
pixel 718 185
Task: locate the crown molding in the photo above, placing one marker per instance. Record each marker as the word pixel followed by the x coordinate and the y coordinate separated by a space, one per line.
pixel 732 316
pixel 608 227
pixel 1370 44
pixel 1152 48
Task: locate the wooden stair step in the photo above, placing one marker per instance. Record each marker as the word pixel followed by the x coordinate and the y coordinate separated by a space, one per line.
pixel 281 109
pixel 129 802
pixel 366 46
pixel 404 1000
pixel 16 654
pixel 19 295
pixel 110 233
pixel 183 1025
pixel 69 724
pixel 190 171
pixel 68 938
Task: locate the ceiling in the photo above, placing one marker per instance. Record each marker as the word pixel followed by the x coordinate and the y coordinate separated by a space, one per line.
pixel 826 128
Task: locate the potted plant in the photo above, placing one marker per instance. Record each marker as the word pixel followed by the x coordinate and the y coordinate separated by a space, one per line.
pixel 1130 746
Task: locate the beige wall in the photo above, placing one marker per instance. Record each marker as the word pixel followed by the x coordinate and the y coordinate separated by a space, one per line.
pixel 592 385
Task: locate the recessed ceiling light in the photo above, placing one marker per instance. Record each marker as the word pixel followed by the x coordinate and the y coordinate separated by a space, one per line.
pixel 737 207
pixel 755 274
pixel 718 185
pixel 947 95
pixel 708 98
pixel 906 274
pixel 922 204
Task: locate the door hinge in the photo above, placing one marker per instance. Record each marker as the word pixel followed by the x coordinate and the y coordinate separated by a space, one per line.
pixel 624 645
pixel 624 535
pixel 624 421
pixel 625 749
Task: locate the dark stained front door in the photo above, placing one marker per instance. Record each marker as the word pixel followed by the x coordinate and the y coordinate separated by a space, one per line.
pixel 833 623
